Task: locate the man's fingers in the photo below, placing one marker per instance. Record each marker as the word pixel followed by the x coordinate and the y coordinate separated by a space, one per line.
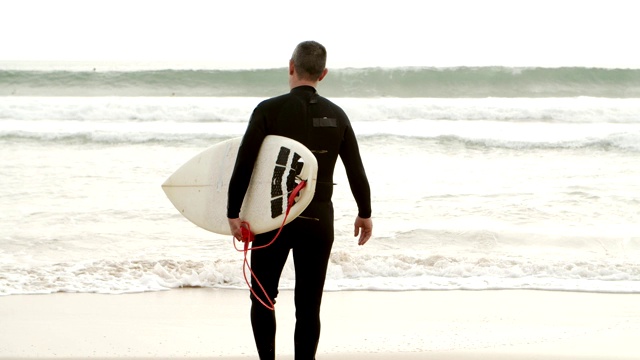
pixel 364 228
pixel 364 237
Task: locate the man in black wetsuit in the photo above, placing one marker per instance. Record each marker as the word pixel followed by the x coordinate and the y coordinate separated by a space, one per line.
pixel 325 129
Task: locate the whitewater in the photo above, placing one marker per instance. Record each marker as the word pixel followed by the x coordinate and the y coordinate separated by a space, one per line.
pixel 482 178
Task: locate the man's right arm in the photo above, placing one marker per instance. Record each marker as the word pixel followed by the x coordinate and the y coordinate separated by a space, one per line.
pixel 358 182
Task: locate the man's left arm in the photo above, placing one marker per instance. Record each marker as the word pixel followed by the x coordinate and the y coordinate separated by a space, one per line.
pixel 243 168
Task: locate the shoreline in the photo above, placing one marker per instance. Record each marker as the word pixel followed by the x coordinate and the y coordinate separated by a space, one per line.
pixel 214 323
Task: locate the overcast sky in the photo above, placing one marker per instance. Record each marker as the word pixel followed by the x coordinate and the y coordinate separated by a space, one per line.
pixel 357 33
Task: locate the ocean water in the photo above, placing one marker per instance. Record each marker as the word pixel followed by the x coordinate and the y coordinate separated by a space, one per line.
pixel 482 178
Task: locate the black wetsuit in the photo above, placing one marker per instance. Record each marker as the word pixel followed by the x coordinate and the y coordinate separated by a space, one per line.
pixel 325 129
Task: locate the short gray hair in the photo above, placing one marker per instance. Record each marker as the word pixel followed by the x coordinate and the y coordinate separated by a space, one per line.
pixel 309 59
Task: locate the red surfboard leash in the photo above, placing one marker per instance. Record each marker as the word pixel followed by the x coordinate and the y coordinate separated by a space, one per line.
pixel 248 236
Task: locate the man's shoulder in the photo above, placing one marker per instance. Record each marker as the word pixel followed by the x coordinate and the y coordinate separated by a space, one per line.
pixel 273 101
pixel 329 103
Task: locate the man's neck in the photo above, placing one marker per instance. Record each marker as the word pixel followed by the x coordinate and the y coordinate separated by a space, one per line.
pixel 294 83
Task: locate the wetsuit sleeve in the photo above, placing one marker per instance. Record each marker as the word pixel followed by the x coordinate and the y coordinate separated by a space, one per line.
pixel 350 155
pixel 247 155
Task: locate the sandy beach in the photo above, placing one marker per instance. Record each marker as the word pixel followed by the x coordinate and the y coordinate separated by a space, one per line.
pixel 214 323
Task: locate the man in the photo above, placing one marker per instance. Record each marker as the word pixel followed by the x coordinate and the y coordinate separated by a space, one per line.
pixel 325 129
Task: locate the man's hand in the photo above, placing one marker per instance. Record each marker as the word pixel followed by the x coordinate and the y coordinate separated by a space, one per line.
pixel 364 228
pixel 235 225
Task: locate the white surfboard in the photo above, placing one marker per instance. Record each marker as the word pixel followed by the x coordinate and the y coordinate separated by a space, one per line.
pixel 198 189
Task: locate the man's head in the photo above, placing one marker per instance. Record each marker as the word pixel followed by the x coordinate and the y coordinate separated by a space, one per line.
pixel 309 60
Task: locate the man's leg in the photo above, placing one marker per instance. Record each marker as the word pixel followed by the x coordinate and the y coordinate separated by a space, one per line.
pixel 267 264
pixel 311 254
